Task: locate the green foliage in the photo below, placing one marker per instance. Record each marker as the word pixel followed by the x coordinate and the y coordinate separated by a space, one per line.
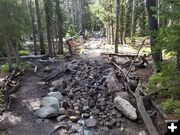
pixel 21 66
pixel 168 78
pixel 24 52
pixel 71 32
pixel 171 106
pixel 14 22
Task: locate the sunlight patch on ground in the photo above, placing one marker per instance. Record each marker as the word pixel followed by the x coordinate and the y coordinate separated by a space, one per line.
pixel 32 104
pixel 11 118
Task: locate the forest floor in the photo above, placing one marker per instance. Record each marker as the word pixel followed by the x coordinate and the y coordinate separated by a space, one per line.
pixel 20 119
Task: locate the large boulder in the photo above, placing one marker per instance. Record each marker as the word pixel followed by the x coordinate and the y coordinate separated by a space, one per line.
pixel 125 108
pixel 50 101
pixel 47 112
pixel 57 94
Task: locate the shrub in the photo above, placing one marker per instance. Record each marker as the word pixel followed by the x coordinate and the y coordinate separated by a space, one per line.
pixel 24 52
pixel 171 106
pixel 20 66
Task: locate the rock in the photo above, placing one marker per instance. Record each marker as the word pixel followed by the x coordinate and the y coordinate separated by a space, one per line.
pixel 143 132
pixel 40 83
pixel 48 69
pixel 65 104
pixel 58 95
pixel 95 111
pixel 112 82
pixel 123 95
pixel 62 111
pixel 108 124
pixel 85 109
pixel 91 123
pixel 39 121
pixel 77 112
pixel 61 118
pixel 74 118
pixel 70 112
pixel 57 82
pixel 125 107
pixel 70 95
pixel 85 115
pixel 47 112
pixel 92 103
pixel 50 101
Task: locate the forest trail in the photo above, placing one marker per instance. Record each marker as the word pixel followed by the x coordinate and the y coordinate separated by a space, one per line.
pixel 21 116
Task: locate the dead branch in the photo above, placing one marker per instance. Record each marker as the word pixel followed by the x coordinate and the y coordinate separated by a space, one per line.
pixel 156 106
pixel 132 62
pixel 147 120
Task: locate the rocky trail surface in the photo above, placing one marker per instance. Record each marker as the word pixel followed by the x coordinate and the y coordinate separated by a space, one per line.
pixel 80 95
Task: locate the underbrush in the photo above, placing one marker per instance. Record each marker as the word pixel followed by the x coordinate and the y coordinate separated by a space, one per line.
pixel 23 65
pixel 24 53
pixel 169 81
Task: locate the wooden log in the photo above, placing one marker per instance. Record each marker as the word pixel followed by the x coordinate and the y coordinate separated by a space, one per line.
pixel 119 55
pixel 147 120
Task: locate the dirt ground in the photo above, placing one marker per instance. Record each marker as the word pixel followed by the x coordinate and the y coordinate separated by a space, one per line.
pixel 20 119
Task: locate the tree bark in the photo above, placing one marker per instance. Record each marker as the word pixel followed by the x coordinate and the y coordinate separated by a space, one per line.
pixel 133 19
pixel 8 52
pixel 48 11
pixel 117 25
pixel 153 26
pixel 60 27
pixel 41 39
pixel 32 25
pixel 125 21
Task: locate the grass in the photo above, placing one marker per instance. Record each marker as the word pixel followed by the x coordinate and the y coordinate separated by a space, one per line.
pixel 168 79
pixel 23 65
pixel 24 52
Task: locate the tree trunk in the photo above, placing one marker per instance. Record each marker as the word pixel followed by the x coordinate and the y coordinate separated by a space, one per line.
pixel 48 11
pixel 125 21
pixel 41 39
pixel 153 26
pixel 8 52
pixel 60 27
pixel 117 25
pixel 133 19
pixel 32 25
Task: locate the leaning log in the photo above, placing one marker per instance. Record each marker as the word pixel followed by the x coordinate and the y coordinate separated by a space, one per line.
pixel 147 120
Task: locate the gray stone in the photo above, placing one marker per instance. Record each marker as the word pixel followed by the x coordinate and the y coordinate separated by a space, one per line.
pixel 57 94
pixel 85 115
pixel 50 101
pixel 85 108
pixel 91 123
pixel 62 111
pixel 47 112
pixel 74 118
pixel 125 107
pixel 123 95
pixel 61 118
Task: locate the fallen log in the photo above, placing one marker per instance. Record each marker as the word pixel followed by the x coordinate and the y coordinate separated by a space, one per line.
pixel 146 118
pixel 119 55
pixel 45 56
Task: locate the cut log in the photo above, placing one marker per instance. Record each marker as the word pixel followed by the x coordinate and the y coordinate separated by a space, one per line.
pixel 147 120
